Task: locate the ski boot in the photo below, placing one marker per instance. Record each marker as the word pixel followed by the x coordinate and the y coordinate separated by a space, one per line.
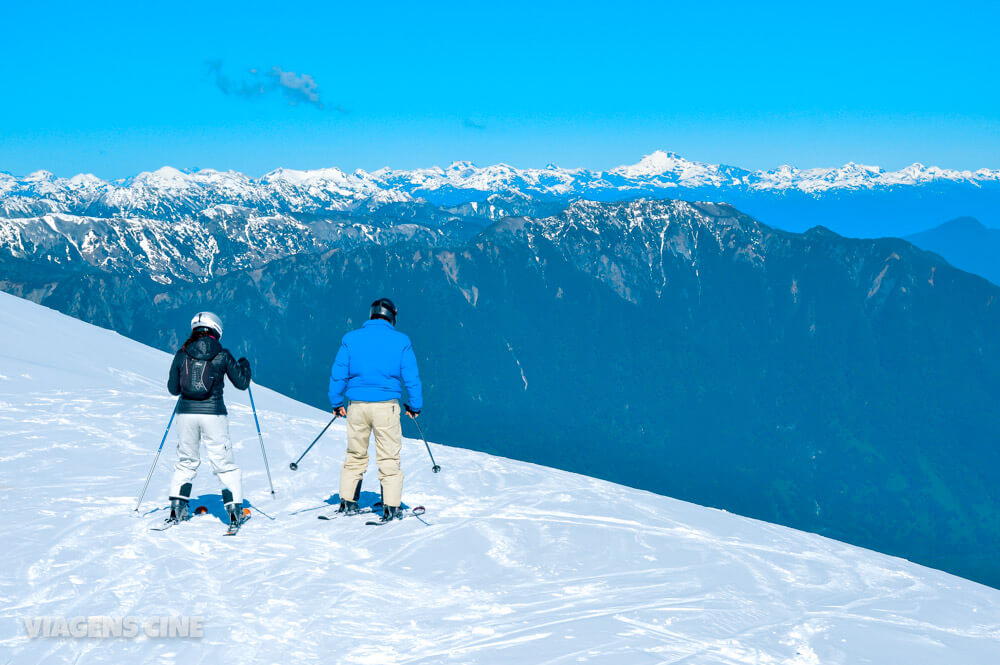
pixel 179 511
pixel 236 514
pixel 391 513
pixel 348 508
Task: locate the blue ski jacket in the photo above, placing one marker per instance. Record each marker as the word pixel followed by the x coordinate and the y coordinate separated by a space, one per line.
pixel 373 364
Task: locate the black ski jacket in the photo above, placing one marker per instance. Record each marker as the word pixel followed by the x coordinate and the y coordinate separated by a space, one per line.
pixel 208 348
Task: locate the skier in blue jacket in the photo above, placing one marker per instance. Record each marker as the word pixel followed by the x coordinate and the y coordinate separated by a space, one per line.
pixel 373 364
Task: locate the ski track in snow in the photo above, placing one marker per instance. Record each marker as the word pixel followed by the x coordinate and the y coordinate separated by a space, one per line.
pixel 519 563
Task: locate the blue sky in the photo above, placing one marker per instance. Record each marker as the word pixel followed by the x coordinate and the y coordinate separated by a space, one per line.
pixel 117 89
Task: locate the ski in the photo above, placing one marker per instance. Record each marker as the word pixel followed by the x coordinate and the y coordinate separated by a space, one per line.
pixel 334 515
pixel 164 525
pixel 170 521
pixel 416 511
pixel 235 528
pixel 363 511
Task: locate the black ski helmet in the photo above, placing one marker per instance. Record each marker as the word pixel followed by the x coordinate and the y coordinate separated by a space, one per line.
pixel 384 309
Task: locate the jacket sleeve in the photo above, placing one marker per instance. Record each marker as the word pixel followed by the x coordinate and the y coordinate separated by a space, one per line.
pixel 339 374
pixel 411 379
pixel 240 378
pixel 174 377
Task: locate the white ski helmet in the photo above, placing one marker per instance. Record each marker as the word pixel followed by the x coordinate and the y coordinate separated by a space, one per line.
pixel 207 320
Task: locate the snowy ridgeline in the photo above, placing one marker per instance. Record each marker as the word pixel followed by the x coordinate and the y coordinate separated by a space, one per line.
pixel 519 563
pixel 168 189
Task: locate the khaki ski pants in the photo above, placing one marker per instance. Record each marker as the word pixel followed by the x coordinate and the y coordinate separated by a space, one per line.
pixel 363 418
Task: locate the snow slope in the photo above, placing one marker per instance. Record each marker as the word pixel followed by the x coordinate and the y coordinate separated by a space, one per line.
pixel 517 563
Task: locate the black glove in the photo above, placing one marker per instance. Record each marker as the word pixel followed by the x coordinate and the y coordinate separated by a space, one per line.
pixel 411 412
pixel 245 366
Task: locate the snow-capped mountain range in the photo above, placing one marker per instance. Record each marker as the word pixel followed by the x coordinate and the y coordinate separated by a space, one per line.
pixel 513 562
pixel 169 193
pixel 172 225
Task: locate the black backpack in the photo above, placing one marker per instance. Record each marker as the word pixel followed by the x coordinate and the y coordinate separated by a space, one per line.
pixel 198 377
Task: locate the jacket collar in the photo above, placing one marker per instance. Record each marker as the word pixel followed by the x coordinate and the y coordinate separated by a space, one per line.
pixel 377 322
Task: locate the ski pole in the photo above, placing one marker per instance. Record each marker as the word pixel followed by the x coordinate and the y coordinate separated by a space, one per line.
pixel 435 468
pixel 261 439
pixel 295 465
pixel 156 459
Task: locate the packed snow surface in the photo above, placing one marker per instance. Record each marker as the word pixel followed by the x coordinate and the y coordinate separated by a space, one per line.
pixel 514 563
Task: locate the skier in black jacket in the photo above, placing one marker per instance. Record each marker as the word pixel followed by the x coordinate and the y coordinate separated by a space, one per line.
pixel 198 374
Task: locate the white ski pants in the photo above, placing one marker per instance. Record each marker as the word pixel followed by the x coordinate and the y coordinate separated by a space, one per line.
pixel 193 430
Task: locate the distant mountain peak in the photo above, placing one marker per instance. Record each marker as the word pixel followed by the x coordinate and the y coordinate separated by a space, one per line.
pixel 966 243
pixel 660 162
pixel 966 223
pixel 165 175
